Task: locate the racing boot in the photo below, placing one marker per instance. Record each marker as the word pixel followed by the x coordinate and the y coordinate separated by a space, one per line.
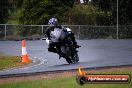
pixel 75 44
pixel 52 50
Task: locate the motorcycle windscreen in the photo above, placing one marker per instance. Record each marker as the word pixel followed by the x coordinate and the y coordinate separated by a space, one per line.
pixel 57 34
pixel 63 35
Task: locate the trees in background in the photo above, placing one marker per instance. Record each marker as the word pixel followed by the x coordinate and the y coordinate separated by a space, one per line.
pixel 7 7
pixel 82 15
pixel 124 10
pixel 15 4
pixel 39 11
pixel 88 15
pixel 96 12
pixel 4 11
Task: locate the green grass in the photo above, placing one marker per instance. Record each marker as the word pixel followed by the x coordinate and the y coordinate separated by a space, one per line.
pixel 7 61
pixel 69 82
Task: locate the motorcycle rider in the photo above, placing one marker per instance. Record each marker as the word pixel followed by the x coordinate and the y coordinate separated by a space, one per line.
pixel 53 23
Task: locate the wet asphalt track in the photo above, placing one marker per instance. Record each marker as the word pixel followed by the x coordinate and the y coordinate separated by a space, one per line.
pixel 93 53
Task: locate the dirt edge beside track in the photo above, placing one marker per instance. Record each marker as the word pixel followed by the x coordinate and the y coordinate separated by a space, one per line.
pixel 58 74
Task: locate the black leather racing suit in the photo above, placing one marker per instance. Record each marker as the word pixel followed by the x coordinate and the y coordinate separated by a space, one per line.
pixel 52 44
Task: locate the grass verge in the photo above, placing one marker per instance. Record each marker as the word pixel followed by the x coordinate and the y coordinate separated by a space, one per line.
pixel 69 82
pixel 8 61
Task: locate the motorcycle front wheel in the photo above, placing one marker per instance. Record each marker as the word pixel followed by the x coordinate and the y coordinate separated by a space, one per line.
pixel 75 57
pixel 65 55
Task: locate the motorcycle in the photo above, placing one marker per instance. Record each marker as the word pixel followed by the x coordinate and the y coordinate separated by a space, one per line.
pixel 64 45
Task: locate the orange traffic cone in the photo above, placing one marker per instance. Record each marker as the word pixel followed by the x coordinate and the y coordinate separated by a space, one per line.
pixel 25 57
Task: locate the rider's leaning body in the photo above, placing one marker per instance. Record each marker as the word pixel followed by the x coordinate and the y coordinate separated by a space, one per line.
pixel 53 23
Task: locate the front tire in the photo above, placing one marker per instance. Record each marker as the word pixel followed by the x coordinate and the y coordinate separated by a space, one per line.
pixel 76 57
pixel 69 60
pixel 65 55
